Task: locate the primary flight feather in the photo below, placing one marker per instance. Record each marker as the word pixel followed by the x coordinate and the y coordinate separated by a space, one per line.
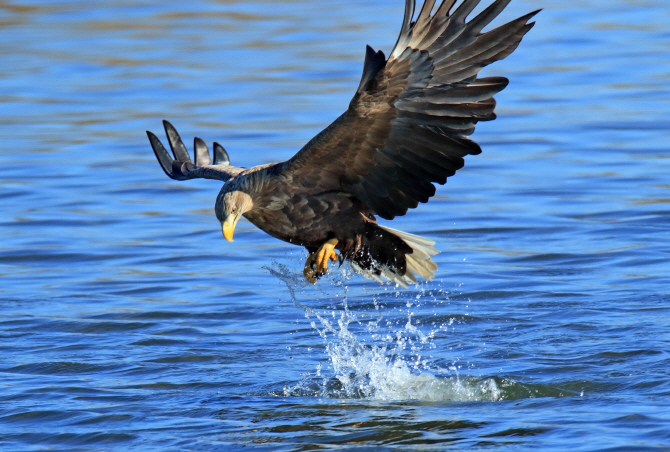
pixel 406 128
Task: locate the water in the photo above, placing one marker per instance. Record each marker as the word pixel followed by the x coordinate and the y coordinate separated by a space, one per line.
pixel 128 323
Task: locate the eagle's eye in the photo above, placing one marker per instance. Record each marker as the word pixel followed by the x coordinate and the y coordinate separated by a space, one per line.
pixel 234 209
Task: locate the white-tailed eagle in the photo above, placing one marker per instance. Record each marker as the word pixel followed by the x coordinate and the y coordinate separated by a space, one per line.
pixel 406 129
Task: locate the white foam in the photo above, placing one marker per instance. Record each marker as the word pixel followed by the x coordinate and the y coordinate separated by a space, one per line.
pixel 378 372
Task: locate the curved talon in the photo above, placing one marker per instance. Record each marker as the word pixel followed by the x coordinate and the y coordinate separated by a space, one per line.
pixel 320 257
pixel 308 272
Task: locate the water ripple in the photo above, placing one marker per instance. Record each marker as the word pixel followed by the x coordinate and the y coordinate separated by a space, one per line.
pixel 128 323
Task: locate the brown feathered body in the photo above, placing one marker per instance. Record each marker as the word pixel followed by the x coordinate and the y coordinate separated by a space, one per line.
pixel 303 218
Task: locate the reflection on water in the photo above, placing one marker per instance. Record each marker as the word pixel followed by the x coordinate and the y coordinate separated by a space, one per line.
pixel 127 322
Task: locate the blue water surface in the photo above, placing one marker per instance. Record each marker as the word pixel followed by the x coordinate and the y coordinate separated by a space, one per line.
pixel 128 323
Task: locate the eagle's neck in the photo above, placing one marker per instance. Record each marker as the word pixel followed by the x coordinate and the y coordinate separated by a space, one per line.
pixel 261 184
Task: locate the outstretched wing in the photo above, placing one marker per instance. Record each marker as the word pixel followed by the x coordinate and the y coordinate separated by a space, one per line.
pixel 181 167
pixel 408 124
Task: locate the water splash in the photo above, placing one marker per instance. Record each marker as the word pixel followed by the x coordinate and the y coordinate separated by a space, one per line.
pixel 386 357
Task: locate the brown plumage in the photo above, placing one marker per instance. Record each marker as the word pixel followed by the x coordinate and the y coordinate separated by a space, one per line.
pixel 406 128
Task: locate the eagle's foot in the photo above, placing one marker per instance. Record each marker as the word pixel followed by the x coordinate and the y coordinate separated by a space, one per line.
pixel 319 259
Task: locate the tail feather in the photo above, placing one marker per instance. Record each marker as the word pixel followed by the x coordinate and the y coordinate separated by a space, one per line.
pixel 419 262
pixel 411 260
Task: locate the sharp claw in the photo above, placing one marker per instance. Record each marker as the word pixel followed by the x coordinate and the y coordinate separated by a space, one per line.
pixel 321 257
pixel 309 274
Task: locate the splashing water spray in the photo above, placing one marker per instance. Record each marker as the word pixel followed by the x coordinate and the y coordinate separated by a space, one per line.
pixel 386 357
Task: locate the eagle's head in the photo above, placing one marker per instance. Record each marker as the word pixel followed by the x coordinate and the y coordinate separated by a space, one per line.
pixel 231 203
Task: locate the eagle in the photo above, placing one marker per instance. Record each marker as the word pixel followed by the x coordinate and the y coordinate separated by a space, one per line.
pixel 407 128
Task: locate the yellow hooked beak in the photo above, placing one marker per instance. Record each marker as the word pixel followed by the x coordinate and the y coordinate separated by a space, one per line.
pixel 228 226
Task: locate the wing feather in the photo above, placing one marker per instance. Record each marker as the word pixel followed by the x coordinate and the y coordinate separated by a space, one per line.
pixel 408 124
pixel 181 168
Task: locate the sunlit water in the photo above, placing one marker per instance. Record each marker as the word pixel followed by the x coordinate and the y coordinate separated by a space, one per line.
pixel 128 323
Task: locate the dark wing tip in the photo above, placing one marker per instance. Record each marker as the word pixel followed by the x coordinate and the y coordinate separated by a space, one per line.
pixel 161 154
pixel 201 154
pixel 176 144
pixel 374 62
pixel 530 15
pixel 220 155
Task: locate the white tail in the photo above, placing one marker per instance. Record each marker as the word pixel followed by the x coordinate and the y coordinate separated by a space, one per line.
pixel 419 262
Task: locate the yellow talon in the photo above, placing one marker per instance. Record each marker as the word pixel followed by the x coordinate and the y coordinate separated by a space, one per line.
pixel 326 252
pixel 320 257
